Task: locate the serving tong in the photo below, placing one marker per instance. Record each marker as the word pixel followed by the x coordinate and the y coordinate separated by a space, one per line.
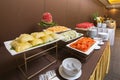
pixel 50 75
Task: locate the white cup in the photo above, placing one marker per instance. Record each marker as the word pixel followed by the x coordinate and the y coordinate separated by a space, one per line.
pixel 98 40
pixel 71 66
pixel 104 25
pixel 99 25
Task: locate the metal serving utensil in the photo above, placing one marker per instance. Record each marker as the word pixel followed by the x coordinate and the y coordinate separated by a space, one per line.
pixel 51 74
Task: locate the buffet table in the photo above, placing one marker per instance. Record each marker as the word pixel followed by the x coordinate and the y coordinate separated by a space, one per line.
pixel 102 67
pixel 95 67
pixel 98 64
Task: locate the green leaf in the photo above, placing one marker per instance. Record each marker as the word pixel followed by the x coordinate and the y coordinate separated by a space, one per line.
pixel 44 24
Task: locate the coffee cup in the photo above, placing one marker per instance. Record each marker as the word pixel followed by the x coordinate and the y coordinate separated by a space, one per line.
pixel 99 25
pixel 104 25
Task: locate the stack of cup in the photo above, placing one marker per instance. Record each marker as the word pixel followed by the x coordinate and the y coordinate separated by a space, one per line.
pixel 104 25
pixel 99 25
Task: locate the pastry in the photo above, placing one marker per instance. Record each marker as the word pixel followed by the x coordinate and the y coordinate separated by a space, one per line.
pixel 14 44
pixel 38 34
pixel 20 46
pixel 36 42
pixel 47 38
pixel 25 38
pixel 55 36
pixel 47 32
pixel 57 28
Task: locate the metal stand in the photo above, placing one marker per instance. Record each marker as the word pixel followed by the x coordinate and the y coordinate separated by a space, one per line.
pixel 34 55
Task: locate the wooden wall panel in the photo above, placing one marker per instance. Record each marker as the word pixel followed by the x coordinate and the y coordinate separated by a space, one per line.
pixel 18 17
pixel 90 8
pixel 82 10
pixel 73 12
pixel 58 10
pixel 21 16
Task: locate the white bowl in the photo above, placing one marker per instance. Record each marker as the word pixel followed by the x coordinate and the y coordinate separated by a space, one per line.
pixel 103 35
pixel 71 66
pixel 99 40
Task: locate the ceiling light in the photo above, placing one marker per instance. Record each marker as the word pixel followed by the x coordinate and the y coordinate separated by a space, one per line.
pixel 114 1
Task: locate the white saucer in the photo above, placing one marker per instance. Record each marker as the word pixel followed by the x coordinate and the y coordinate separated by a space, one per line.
pixel 101 43
pixel 68 77
pixel 97 47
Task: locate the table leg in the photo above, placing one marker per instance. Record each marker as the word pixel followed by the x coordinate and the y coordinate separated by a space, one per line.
pixel 25 61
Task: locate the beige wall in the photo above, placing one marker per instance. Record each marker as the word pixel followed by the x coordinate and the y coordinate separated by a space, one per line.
pixel 21 16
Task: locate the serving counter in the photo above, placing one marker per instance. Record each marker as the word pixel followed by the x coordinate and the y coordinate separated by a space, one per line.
pixel 95 68
pixel 102 66
pixel 97 65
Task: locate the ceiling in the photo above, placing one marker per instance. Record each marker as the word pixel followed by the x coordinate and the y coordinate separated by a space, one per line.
pixel 114 1
pixel 111 3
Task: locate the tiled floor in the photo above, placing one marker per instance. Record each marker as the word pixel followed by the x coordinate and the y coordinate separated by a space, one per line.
pixel 114 73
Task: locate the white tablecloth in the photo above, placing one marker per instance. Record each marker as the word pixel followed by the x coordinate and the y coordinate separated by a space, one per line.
pixel 111 34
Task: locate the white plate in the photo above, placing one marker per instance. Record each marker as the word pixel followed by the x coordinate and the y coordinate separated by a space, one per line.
pixel 86 52
pixel 79 35
pixel 13 52
pixel 97 47
pixel 69 77
pixel 101 43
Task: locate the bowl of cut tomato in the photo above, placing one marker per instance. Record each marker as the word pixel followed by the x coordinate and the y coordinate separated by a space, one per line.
pixel 83 45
